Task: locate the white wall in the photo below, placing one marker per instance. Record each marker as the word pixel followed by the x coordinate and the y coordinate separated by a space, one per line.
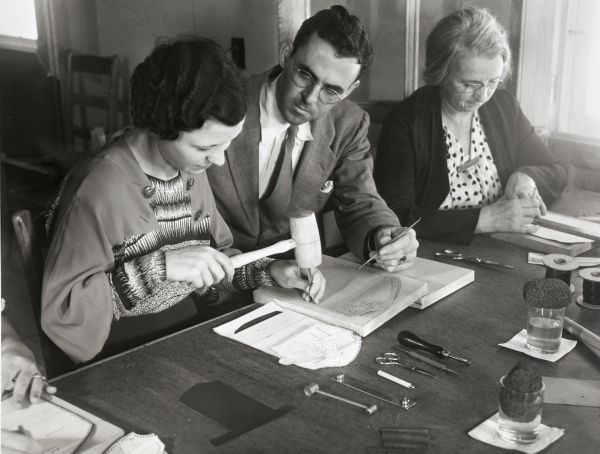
pixel 130 28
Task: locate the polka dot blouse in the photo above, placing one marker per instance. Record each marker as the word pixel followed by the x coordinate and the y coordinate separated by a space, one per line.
pixel 475 185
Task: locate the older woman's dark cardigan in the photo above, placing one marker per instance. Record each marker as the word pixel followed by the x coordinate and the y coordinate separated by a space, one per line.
pixel 411 171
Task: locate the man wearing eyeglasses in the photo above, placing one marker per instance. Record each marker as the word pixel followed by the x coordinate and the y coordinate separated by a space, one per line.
pixel 304 147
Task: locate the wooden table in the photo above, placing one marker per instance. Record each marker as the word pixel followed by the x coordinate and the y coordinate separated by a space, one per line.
pixel 140 390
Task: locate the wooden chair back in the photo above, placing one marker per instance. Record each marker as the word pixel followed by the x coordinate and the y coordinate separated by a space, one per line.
pixel 91 92
pixel 31 241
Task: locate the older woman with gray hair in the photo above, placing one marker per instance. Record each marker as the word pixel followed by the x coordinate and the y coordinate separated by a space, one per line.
pixel 459 152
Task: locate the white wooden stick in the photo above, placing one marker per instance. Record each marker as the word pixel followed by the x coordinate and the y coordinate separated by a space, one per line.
pixel 585 335
pixel 277 248
pixel 395 379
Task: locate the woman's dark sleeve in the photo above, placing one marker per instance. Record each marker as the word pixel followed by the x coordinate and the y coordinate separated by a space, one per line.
pixel 401 185
pixel 537 161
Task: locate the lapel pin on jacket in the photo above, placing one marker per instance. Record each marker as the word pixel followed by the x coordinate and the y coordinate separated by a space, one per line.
pixel 327 187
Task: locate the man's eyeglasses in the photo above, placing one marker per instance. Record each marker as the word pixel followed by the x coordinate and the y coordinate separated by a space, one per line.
pixel 470 88
pixel 304 79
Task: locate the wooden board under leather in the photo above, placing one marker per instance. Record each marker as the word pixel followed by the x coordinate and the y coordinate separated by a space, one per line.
pixel 442 278
pixel 535 243
pixel 409 291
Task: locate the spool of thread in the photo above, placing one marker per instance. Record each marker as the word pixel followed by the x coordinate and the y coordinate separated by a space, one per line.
pixel 560 266
pixel 590 296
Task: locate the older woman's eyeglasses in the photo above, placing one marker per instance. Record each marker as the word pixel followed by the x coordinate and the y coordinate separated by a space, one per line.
pixel 471 88
pixel 304 79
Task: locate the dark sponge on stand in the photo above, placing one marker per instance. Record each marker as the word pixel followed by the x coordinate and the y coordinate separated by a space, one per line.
pixel 547 293
pixel 524 378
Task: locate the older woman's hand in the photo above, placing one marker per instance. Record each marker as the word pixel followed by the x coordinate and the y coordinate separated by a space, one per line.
pixel 287 274
pixel 515 215
pixel 19 368
pixel 522 186
pixel 394 255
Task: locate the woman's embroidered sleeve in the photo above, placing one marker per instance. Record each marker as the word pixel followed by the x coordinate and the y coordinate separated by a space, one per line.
pixel 250 277
pixel 140 286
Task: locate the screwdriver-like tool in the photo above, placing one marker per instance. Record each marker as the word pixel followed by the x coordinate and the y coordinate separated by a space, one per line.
pixel 425 359
pixel 411 340
pixel 392 359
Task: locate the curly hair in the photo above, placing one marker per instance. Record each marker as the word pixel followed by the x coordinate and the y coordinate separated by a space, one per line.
pixel 342 30
pixel 184 82
pixel 471 29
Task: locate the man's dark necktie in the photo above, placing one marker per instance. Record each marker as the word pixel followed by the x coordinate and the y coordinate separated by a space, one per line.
pixel 276 201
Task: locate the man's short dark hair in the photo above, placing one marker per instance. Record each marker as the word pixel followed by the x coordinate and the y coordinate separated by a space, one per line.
pixel 342 30
pixel 182 83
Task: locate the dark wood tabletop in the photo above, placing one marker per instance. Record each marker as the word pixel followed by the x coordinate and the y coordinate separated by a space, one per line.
pixel 140 390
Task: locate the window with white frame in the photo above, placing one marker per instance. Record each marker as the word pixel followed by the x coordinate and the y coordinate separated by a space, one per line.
pixel 580 91
pixel 18 26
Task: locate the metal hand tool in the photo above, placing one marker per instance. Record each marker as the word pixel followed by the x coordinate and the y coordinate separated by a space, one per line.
pixel 397 237
pixel 314 388
pixel 426 360
pixel 393 359
pixel 411 340
pixel 456 255
pixel 406 402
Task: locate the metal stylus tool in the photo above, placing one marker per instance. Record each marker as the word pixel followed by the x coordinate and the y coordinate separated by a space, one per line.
pixel 397 237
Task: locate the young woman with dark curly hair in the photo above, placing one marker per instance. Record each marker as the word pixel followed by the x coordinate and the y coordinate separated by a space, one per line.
pixel 135 229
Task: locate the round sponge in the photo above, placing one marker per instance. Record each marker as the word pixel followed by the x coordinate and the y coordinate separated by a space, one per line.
pixel 516 400
pixel 548 293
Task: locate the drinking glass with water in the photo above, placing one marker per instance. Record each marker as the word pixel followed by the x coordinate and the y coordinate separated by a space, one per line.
pixel 547 299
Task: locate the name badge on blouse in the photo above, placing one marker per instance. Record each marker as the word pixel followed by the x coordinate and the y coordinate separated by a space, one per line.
pixel 470 163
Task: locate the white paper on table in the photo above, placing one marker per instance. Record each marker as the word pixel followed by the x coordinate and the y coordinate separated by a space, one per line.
pixel 561 237
pixel 56 429
pixel 571 391
pixel 295 338
pixel 519 343
pixel 487 432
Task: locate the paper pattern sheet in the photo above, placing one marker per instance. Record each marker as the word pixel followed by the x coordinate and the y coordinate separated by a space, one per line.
pixel 57 429
pixel 134 443
pixel 295 338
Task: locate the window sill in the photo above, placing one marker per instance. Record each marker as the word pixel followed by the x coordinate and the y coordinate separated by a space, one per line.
pixel 18 44
pixel 575 139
